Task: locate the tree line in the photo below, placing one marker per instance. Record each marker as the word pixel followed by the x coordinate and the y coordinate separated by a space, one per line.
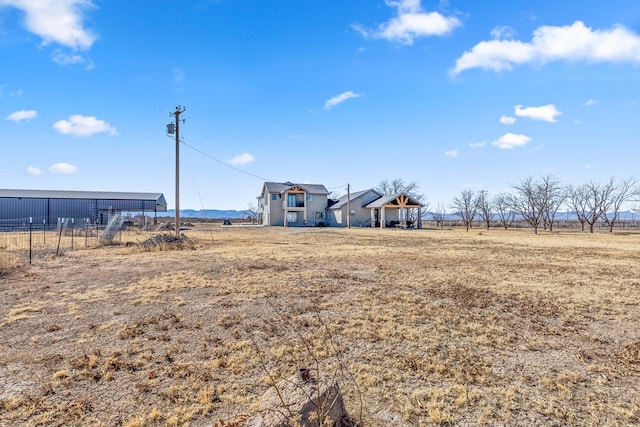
pixel 537 201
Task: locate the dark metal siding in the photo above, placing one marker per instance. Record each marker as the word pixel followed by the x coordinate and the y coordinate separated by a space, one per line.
pixel 16 211
pixel 127 205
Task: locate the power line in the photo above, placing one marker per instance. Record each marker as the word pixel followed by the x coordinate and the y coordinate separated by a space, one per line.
pixel 238 169
pixel 223 163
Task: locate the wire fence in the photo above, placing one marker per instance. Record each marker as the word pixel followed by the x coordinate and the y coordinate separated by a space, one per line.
pixel 41 239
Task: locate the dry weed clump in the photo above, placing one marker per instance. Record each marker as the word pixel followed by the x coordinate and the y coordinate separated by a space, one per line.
pixel 167 242
pixel 9 262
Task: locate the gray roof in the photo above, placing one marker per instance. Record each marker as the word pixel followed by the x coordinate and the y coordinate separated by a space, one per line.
pixel 354 196
pixel 389 198
pixel 281 187
pixel 104 195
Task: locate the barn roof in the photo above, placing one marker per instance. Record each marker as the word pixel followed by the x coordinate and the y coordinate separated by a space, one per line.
pixel 61 194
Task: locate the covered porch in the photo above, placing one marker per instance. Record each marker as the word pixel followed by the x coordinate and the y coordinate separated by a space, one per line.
pixel 395 210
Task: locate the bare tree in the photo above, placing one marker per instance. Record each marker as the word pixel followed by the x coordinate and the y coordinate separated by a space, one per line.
pixel 252 210
pixel 598 201
pixel 439 215
pixel 486 209
pixel 397 186
pixel 529 202
pixel 577 202
pixel 411 189
pixel 623 192
pixel 465 205
pixel 504 209
pixel 553 196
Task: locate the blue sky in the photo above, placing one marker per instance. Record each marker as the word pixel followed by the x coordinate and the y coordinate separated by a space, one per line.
pixel 452 95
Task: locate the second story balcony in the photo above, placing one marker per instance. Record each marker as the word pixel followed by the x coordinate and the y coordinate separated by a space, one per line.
pixel 294 201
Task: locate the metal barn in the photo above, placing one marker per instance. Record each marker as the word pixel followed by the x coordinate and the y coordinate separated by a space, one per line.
pixel 46 207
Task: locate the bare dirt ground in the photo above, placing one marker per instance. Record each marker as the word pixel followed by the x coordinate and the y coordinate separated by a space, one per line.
pixel 420 327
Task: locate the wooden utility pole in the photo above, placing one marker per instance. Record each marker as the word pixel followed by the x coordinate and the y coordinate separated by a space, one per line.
pixel 176 114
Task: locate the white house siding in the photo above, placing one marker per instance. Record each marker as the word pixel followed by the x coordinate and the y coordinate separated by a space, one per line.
pixel 278 213
pixel 361 216
pixel 317 210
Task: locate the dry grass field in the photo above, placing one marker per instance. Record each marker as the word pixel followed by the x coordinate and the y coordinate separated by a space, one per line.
pixel 420 327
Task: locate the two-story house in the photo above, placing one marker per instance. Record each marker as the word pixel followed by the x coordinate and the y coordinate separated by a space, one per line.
pixel 299 205
pixel 293 205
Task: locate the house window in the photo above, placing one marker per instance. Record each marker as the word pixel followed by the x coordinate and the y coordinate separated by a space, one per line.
pixel 309 197
pixel 353 212
pixel 276 197
pixel 292 216
pixel 319 215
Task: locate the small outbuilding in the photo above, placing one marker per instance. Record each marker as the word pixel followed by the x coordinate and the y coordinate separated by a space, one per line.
pixel 47 207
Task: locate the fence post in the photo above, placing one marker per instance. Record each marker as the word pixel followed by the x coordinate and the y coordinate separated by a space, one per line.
pixel 44 233
pixel 60 236
pixel 30 240
pixel 86 231
pixel 72 222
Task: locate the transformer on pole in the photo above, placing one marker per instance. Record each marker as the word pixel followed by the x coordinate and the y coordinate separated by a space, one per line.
pixel 171 129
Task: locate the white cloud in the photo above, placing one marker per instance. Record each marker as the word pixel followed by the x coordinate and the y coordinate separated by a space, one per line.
pixel 79 125
pixel 575 42
pixel 507 120
pixel 478 144
pixel 511 140
pixel 63 58
pixel 590 102
pixel 17 116
pixel 451 153
pixel 340 99
pixel 546 113
pixel 34 171
pixel 56 21
pixel 64 168
pixel 242 159
pixel 503 32
pixel 410 22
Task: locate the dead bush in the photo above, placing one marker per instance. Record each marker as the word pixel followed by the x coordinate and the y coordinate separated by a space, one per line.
pixel 9 262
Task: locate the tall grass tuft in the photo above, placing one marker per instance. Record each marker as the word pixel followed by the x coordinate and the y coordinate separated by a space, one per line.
pixel 9 263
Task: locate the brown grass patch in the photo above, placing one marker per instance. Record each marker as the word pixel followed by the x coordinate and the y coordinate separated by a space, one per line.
pixel 421 327
pixel 9 262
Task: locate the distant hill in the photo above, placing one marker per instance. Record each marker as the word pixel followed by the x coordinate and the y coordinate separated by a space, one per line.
pixel 207 213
